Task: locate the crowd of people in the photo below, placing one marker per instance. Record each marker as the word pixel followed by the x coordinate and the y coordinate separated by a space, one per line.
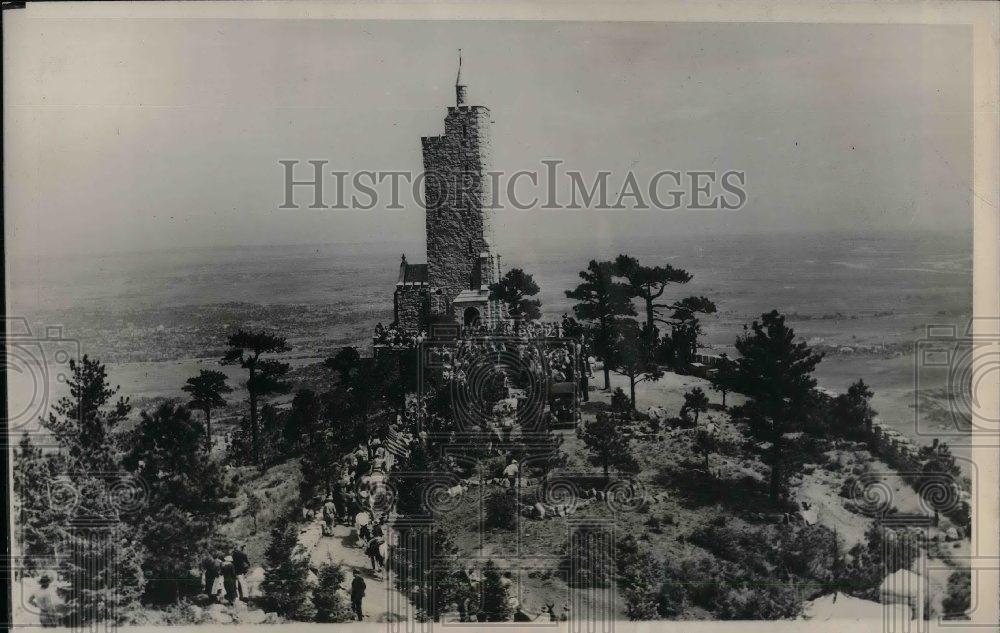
pixel 395 338
pixel 224 576
pixel 359 500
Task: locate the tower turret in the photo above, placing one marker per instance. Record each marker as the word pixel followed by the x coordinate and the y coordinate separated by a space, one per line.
pixel 459 86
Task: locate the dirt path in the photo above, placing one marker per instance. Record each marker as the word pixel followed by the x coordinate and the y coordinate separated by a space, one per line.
pixel 382 603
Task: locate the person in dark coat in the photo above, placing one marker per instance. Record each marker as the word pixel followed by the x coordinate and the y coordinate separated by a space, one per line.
pixel 210 565
pixel 241 562
pixel 339 502
pixel 229 579
pixel 357 594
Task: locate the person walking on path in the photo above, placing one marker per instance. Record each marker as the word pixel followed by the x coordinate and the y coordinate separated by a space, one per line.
pixel 339 502
pixel 241 563
pixel 229 579
pixel 330 513
pixel 511 473
pixel 357 594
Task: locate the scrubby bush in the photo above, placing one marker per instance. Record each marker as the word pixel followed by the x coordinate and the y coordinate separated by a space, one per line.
pixel 330 604
pixel 956 604
pixel 884 552
pixel 760 556
pixel 590 558
pixel 501 509
pixel 704 578
pixel 492 468
pixel 495 595
pixel 652 590
pixel 764 601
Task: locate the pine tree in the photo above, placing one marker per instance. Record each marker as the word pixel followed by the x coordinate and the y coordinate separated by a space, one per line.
pixel 248 349
pixel 632 357
pixel 327 598
pixel 775 374
pixel 83 423
pixel 648 283
pixel 363 386
pixel 184 499
pixel 37 518
pixel 705 442
pixel 685 328
pixel 514 290
pixel 695 401
pixel 303 418
pixel 286 571
pixel 426 569
pixel 102 558
pixel 608 444
pixel 724 376
pixel 207 390
pixel 852 412
pixel 601 301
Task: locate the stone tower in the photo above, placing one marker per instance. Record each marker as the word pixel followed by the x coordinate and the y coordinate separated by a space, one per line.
pixel 454 283
pixel 457 196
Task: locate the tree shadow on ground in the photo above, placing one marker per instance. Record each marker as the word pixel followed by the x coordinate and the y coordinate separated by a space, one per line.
pixel 698 487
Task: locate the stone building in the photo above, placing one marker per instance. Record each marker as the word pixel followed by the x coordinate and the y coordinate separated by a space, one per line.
pixel 454 283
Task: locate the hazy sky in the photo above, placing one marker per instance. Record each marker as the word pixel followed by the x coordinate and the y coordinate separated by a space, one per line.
pixel 133 134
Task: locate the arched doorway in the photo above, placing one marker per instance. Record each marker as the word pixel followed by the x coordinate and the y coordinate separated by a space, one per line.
pixel 471 317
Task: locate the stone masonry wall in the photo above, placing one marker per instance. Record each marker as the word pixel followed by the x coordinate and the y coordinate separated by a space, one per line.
pixel 410 304
pixel 457 195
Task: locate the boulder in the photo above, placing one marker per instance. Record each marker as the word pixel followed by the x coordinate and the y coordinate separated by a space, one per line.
pixel 218 614
pixel 257 616
pixel 901 586
pixel 195 613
